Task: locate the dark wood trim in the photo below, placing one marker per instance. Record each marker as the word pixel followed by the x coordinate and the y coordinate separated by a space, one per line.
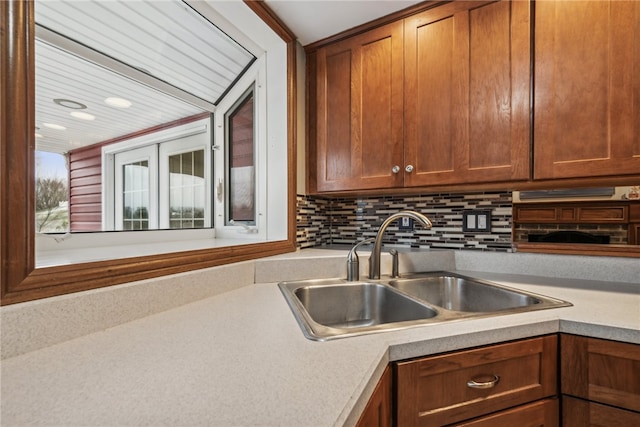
pixel 495 186
pixel 21 281
pixel 260 8
pixel 53 281
pixel 17 212
pixel 629 251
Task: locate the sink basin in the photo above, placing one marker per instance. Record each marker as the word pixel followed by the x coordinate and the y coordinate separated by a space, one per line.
pixel 458 293
pixel 359 305
pixel 334 308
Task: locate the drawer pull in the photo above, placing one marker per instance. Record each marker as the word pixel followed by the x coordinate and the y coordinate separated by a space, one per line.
pixel 478 383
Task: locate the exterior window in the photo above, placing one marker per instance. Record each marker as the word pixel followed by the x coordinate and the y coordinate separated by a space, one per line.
pixel 161 180
pixel 135 204
pixel 241 168
pixel 135 195
pixel 186 190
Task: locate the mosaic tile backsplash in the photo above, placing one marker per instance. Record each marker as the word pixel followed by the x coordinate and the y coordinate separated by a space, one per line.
pixel 347 220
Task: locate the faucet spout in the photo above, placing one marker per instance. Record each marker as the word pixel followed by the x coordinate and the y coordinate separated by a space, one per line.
pixel 374 260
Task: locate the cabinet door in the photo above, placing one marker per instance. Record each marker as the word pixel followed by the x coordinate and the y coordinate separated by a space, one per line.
pixel 378 409
pixel 467 90
pixel 600 370
pixel 587 89
pixel 359 111
pixel 581 413
pixel 442 390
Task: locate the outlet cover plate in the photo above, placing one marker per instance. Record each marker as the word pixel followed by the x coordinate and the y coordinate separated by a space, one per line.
pixel 476 221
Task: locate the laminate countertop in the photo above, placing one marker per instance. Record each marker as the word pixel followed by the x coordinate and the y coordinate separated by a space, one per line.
pixel 240 359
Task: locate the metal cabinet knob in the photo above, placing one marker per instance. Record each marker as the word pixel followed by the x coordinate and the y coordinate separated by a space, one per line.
pixel 395 169
pixel 409 168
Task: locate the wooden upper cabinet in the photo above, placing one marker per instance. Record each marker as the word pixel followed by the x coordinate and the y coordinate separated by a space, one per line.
pixel 587 89
pixel 467 91
pixel 441 97
pixel 358 124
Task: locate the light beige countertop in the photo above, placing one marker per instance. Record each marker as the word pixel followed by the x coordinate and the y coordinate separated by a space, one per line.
pixel 240 359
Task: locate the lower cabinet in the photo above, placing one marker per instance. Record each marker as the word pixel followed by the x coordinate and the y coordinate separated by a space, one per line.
pixel 514 384
pixel 580 413
pixel 452 388
pixel 600 382
pixel 378 411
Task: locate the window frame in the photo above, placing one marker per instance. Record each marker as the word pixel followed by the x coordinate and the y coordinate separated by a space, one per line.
pixel 241 100
pixel 21 281
pixel 159 140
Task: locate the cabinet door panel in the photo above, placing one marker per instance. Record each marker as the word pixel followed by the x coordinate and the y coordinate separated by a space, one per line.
pixel 467 93
pixel 587 90
pixel 338 115
pixel 358 91
pixel 601 370
pixel 436 391
pixel 378 409
pixel 581 413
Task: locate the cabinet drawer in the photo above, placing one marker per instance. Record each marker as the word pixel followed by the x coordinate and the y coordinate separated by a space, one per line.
pixel 437 390
pixel 543 413
pixel 605 214
pixel 600 370
pixel 580 413
pixel 597 214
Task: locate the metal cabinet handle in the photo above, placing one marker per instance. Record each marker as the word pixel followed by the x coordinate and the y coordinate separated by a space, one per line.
pixel 409 168
pixel 395 169
pixel 478 383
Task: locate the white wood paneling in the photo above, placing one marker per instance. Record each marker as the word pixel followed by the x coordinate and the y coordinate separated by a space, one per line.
pixel 169 45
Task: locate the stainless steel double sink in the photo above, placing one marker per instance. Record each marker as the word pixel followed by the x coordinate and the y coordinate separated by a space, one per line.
pixel 334 308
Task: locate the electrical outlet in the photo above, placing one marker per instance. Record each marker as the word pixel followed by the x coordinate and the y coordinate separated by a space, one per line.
pixel 476 220
pixel 405 223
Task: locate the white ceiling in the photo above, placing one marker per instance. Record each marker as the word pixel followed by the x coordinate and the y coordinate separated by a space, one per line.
pixel 164 57
pixel 313 20
pixel 61 75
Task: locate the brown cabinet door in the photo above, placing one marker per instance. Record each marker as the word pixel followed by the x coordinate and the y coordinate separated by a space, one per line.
pixel 581 413
pixel 543 413
pixel 587 89
pixel 600 370
pixel 378 410
pixel 467 86
pixel 441 390
pixel 358 91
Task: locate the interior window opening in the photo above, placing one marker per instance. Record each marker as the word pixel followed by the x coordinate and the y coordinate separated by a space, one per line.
pixel 241 169
pixel 98 98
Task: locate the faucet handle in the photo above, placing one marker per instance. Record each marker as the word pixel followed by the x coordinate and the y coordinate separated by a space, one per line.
pixel 394 263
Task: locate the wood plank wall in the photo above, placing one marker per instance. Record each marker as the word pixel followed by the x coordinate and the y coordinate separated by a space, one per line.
pixel 85 189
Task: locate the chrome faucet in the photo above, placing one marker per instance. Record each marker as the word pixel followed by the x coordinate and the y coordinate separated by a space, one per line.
pixel 374 260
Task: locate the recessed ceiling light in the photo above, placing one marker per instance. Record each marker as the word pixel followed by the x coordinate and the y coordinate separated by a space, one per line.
pixel 82 116
pixel 69 104
pixel 54 126
pixel 118 102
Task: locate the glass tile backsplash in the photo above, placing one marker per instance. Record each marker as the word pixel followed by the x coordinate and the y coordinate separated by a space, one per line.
pixel 323 221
